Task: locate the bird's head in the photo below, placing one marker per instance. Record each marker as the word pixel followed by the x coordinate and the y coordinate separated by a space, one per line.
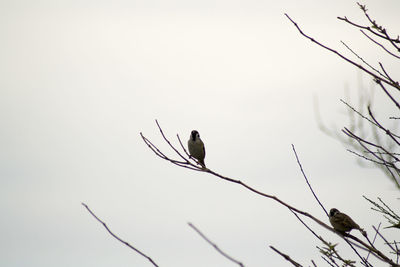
pixel 332 212
pixel 194 135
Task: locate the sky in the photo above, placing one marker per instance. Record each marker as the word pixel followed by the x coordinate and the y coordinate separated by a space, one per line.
pixel 81 79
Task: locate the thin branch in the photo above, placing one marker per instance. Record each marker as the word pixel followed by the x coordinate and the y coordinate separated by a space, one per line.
pixel 387 75
pixel 119 239
pixel 315 265
pixel 357 112
pixel 366 158
pixel 390 134
pixel 286 257
pixel 383 238
pixel 169 143
pixel 309 185
pixel 215 246
pixel 362 27
pixel 361 140
pixel 373 241
pixel 378 81
pixel 383 47
pixel 331 264
pixel 341 56
pixel 365 62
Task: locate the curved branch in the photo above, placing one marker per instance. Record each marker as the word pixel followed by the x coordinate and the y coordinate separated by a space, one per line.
pixel 119 239
pixel 286 257
pixel 215 246
pixel 343 57
pixel 309 185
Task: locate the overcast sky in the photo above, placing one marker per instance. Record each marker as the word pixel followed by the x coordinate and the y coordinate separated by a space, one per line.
pixel 81 79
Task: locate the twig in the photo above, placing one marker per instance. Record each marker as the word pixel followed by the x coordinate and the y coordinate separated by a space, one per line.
pixel 360 58
pixel 119 239
pixel 286 257
pixel 373 241
pixel 309 185
pixel 331 264
pixel 387 75
pixel 383 238
pixel 383 47
pixel 315 265
pixel 215 246
pixel 357 112
pixel 341 56
pixel 378 81
pixel 387 131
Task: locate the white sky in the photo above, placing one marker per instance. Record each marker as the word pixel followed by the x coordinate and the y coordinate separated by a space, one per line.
pixel 79 81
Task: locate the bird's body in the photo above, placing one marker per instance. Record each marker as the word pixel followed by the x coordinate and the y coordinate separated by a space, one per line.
pixel 343 223
pixel 196 147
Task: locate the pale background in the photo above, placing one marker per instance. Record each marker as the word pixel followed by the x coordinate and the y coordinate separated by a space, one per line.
pixel 81 79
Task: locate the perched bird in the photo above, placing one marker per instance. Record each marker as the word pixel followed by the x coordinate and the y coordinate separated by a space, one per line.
pixel 196 147
pixel 343 223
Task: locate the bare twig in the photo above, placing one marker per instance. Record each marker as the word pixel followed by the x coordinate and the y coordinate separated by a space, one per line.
pixel 286 257
pixel 383 47
pixel 341 56
pixel 215 246
pixel 373 241
pixel 315 265
pixel 387 131
pixel 333 264
pixel 383 238
pixel 309 185
pixel 378 81
pixel 360 58
pixel 119 239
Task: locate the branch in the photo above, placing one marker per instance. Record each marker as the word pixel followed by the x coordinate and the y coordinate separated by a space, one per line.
pixel 215 246
pixel 286 257
pixel 119 239
pixel 360 58
pixel 383 47
pixel 341 56
pixel 309 185
pixel 186 163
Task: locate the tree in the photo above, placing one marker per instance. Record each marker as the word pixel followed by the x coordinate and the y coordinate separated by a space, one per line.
pixel 381 150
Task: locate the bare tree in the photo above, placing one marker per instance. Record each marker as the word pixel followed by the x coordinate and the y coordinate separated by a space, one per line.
pixel 367 137
pixel 378 151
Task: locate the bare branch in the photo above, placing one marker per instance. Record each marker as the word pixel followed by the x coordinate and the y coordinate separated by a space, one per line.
pixel 215 246
pixel 365 62
pixel 286 257
pixel 387 75
pixel 119 239
pixel 378 81
pixel 341 56
pixel 315 265
pixel 373 241
pixel 331 264
pixel 376 42
pixel 357 112
pixel 383 238
pixel 309 185
pixel 387 131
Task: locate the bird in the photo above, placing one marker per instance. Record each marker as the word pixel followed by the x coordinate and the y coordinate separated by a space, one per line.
pixel 342 222
pixel 196 147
